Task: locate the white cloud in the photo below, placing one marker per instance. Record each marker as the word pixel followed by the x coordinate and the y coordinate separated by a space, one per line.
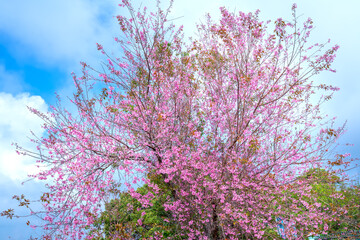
pixel 56 32
pixel 16 121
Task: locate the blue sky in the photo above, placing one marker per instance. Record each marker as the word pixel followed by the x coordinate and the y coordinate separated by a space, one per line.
pixel 42 42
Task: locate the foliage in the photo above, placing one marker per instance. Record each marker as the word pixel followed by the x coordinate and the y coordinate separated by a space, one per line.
pixel 228 122
pixel 336 196
pixel 122 216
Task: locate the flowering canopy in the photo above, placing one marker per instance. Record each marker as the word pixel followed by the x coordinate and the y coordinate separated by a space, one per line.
pixel 228 123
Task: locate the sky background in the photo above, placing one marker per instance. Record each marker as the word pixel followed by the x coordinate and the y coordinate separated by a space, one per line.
pixel 42 42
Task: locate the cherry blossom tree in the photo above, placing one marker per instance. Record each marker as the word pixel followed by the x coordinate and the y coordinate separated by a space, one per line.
pixel 224 126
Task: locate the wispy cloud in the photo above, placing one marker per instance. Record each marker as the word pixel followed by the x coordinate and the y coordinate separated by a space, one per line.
pixel 56 32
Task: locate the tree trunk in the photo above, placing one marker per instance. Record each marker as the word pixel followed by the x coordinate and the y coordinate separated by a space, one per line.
pixel 215 229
